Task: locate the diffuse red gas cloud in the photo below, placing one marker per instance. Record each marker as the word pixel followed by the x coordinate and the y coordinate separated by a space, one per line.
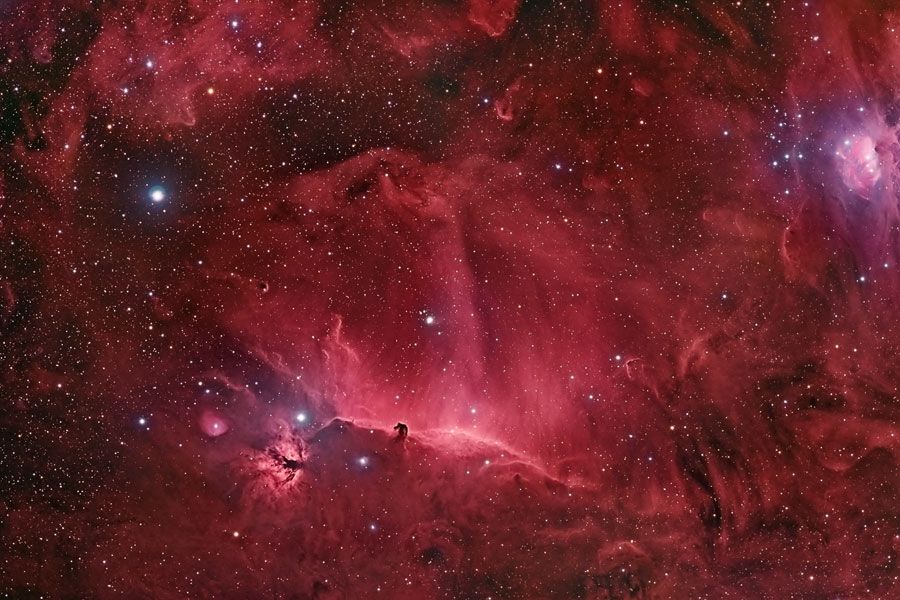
pixel 627 270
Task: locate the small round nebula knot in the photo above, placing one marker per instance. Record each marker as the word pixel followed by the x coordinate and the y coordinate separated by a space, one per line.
pixel 212 424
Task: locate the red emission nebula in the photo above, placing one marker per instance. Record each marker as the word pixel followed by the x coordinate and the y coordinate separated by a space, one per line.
pixel 450 299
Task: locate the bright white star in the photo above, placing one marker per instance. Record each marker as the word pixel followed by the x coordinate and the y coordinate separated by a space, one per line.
pixel 157 194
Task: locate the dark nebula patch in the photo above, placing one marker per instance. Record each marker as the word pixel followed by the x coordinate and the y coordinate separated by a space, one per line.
pixel 626 273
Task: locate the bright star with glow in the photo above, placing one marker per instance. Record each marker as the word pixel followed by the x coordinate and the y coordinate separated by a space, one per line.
pixel 157 194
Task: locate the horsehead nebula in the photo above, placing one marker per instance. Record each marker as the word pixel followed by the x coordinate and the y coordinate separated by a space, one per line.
pixel 451 299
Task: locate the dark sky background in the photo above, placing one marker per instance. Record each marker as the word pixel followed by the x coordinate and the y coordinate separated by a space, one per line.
pixel 628 270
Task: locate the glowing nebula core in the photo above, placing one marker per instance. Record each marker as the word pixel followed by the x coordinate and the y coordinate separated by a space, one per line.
pixel 449 299
pixel 860 164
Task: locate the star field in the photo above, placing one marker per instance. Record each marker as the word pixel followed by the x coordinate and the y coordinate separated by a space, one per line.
pixel 449 299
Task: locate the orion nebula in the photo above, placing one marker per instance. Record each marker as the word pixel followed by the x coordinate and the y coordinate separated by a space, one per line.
pixel 449 299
